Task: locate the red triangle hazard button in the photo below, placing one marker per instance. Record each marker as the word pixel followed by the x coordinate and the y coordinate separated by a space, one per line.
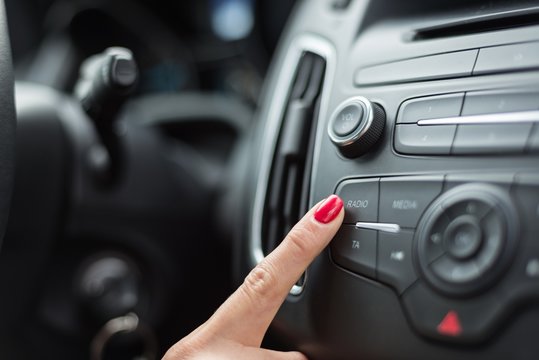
pixel 450 325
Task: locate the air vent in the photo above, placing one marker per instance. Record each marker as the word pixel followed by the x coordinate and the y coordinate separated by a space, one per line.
pixel 288 186
pixel 479 24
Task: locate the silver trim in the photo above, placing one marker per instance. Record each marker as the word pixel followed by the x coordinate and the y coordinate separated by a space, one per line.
pixel 502 118
pixel 306 42
pixel 384 227
pixel 361 130
pixel 297 289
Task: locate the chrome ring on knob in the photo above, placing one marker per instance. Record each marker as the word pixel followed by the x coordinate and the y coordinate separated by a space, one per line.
pixel 363 127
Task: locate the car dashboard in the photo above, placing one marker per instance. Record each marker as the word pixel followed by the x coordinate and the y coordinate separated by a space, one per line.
pixel 425 122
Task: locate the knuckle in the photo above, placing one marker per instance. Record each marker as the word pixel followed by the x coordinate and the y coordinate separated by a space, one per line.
pixel 298 240
pixel 260 282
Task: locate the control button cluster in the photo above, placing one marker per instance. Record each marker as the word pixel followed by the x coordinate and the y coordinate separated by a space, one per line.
pixel 384 213
pixel 399 200
pixel 481 122
pixel 466 238
pixel 466 254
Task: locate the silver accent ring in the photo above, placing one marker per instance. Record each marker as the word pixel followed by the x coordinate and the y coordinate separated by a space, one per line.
pixel 363 127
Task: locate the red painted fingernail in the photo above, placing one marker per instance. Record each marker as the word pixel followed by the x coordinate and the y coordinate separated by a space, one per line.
pixel 329 209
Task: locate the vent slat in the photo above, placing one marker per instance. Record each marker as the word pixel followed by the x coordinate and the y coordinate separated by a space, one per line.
pixel 288 183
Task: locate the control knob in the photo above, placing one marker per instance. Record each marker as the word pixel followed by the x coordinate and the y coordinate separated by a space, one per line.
pixel 356 125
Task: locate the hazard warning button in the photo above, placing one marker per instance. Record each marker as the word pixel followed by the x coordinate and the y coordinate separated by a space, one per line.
pixel 450 325
pixel 458 320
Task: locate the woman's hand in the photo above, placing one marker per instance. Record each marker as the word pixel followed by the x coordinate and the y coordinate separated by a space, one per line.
pixel 237 328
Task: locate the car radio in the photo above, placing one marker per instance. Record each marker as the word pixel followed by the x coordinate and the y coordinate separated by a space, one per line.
pixel 426 124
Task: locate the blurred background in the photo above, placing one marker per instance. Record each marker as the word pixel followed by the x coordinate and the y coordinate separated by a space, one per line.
pixel 123 269
pixel 213 45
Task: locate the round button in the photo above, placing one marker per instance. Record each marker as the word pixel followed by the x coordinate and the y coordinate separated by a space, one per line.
pixel 356 126
pixel 348 120
pixel 463 237
pixel 466 239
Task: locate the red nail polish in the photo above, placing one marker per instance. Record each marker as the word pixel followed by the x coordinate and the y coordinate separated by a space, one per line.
pixel 329 209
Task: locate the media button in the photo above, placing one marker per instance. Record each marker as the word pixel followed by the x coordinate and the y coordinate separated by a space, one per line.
pixel 404 199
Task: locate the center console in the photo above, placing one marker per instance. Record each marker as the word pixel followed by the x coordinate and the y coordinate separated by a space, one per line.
pixel 426 123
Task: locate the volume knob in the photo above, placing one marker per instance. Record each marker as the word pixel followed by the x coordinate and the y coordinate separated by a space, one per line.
pixel 356 125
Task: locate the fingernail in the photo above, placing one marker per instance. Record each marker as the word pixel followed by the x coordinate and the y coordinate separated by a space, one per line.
pixel 329 209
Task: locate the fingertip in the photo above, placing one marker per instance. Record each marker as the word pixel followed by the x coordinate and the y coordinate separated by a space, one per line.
pixel 329 209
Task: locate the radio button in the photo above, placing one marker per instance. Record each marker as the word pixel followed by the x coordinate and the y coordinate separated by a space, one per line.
pixel 431 107
pixel 491 138
pixel 423 140
pixel 360 199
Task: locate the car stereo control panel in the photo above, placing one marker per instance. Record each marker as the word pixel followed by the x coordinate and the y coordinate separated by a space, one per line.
pixel 427 125
pixel 444 244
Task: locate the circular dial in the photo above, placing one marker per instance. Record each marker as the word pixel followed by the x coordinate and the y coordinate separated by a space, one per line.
pixel 356 125
pixel 466 238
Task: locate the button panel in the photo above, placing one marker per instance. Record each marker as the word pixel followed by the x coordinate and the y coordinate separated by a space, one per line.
pixel 465 264
pixel 475 230
pixel 480 122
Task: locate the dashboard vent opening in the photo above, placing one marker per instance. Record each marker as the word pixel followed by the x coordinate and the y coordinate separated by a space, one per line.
pixel 288 185
pixel 479 24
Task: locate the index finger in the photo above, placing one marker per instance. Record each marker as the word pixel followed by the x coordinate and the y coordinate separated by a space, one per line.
pixel 247 314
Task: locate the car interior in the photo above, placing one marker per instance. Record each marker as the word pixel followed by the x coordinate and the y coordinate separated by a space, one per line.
pixel 153 152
